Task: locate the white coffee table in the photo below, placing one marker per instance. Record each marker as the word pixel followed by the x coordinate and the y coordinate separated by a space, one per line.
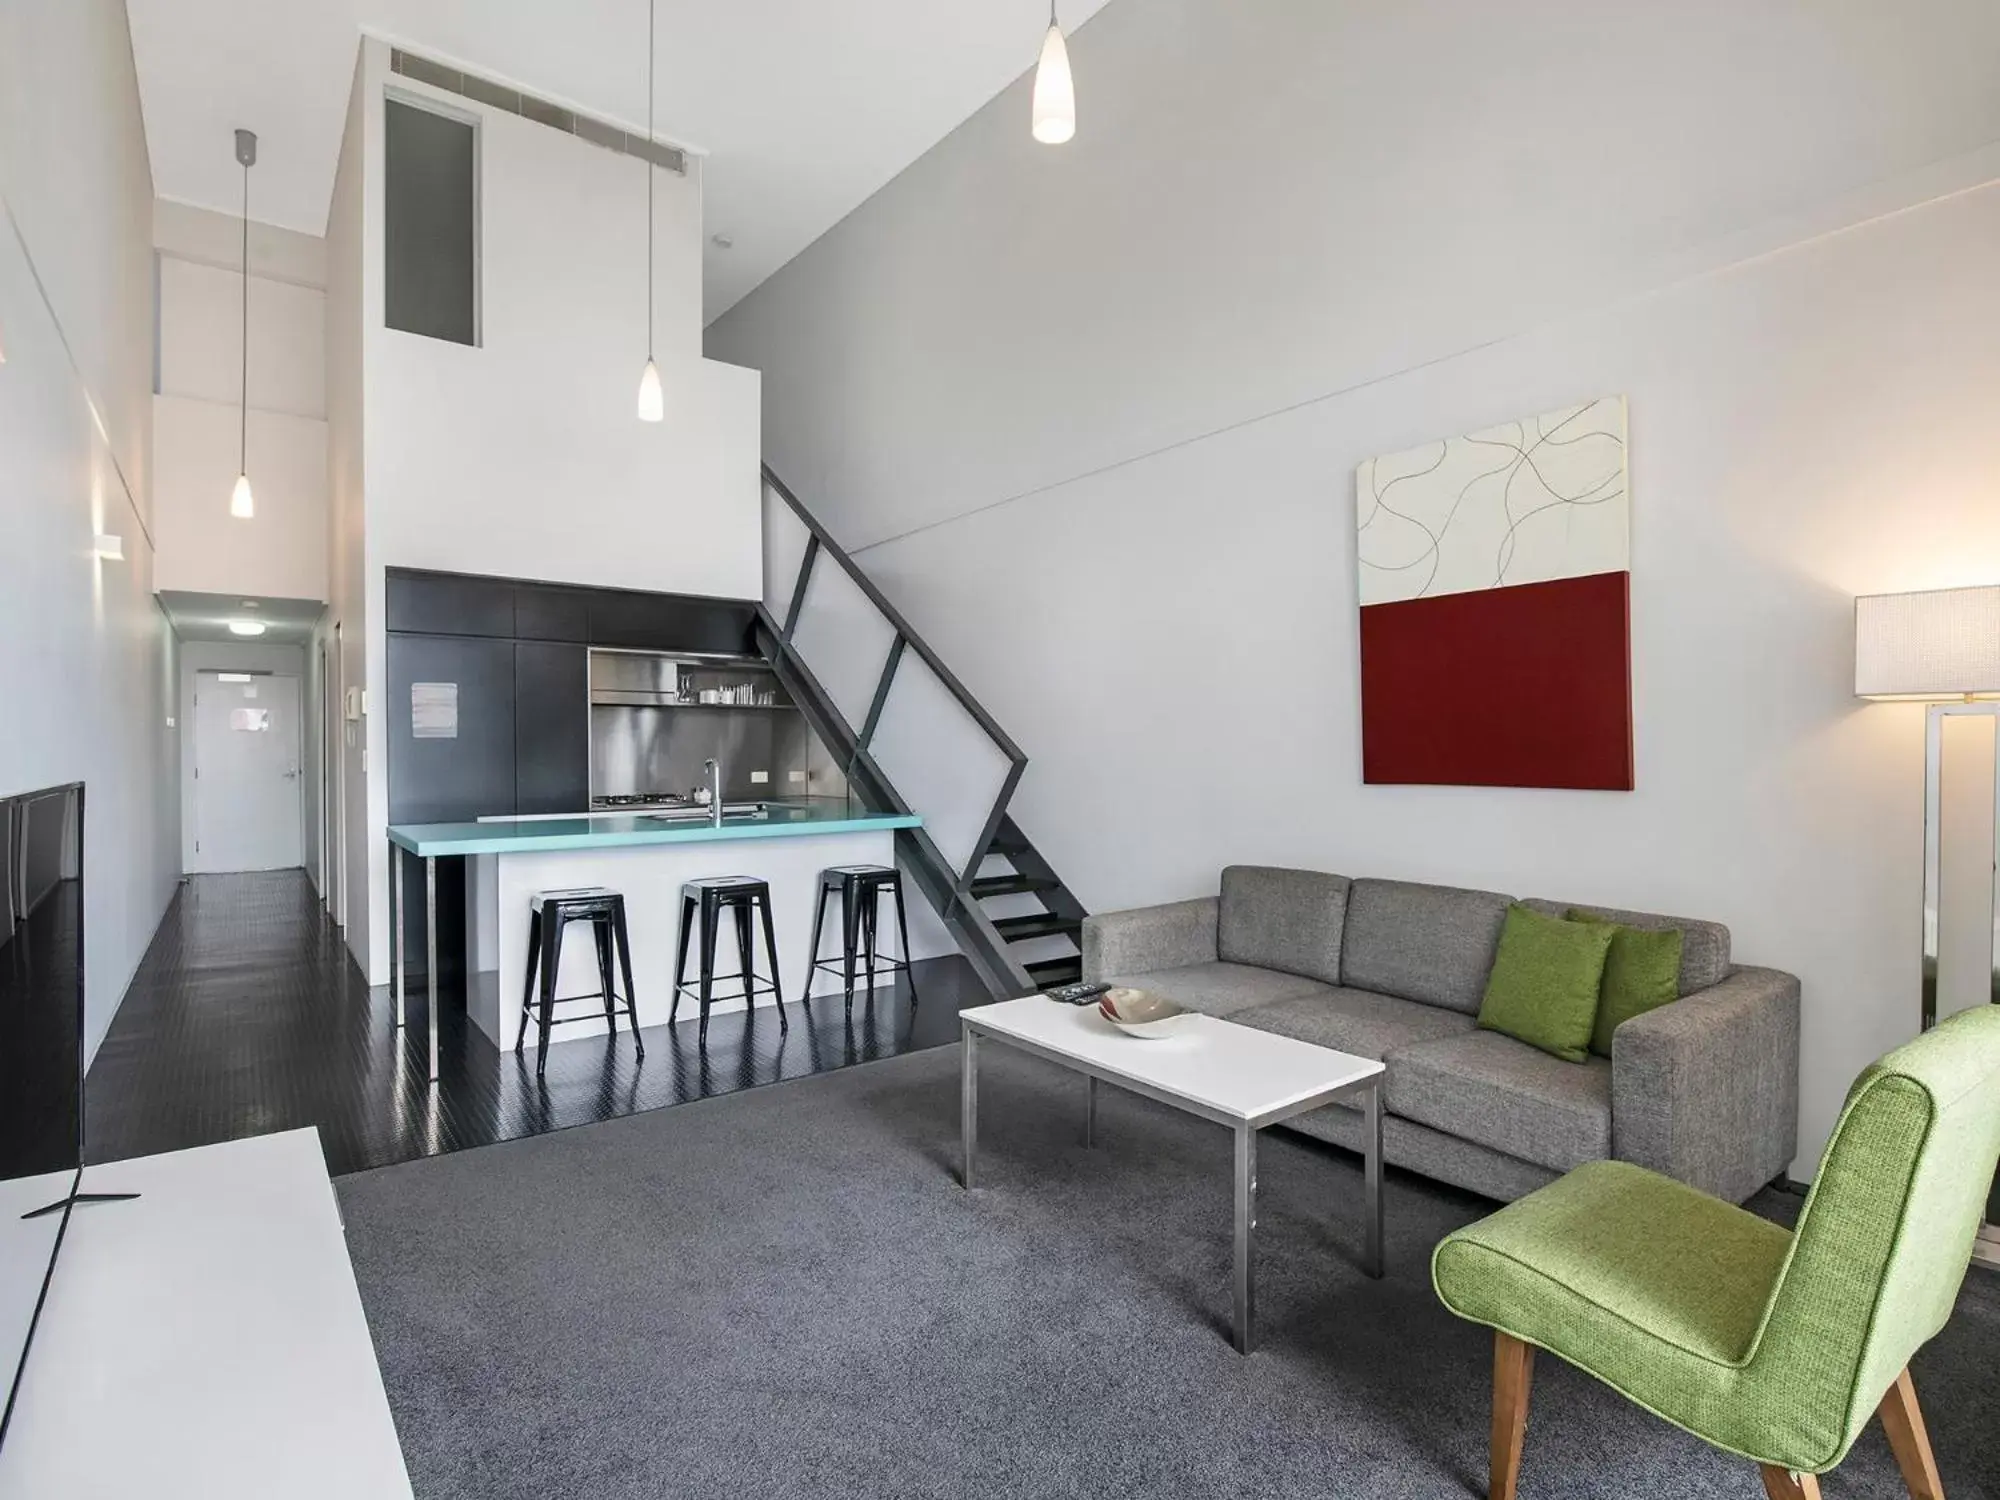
pixel 1234 1075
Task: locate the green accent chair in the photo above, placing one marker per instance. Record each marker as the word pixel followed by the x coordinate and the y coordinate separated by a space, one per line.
pixel 1771 1345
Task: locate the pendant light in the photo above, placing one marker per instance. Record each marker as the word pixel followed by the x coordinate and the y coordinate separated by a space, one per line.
pixel 242 504
pixel 1055 89
pixel 652 401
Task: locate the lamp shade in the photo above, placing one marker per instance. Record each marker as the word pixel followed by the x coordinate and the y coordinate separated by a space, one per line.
pixel 1936 645
pixel 1054 98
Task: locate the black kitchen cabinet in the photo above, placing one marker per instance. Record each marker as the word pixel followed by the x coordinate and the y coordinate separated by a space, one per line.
pixel 449 604
pixel 671 622
pixel 454 777
pixel 551 727
pixel 464 770
pixel 545 612
pixel 513 609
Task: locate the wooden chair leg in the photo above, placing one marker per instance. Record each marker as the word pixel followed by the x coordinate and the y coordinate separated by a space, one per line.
pixel 1904 1422
pixel 1783 1484
pixel 1513 1372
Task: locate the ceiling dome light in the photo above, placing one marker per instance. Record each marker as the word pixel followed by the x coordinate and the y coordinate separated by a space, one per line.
pixel 1055 89
pixel 246 627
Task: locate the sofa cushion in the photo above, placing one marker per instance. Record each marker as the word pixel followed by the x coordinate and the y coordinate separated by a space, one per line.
pixel 1545 981
pixel 1432 943
pixel 1704 945
pixel 1504 1094
pixel 1359 1022
pixel 1282 919
pixel 1642 972
pixel 1222 989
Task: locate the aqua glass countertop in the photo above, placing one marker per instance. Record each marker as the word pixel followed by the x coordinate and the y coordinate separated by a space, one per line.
pixel 548 835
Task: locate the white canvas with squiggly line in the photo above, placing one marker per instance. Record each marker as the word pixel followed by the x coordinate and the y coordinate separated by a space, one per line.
pixel 1525 502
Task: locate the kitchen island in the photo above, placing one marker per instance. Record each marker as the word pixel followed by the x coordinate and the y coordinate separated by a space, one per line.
pixel 647 857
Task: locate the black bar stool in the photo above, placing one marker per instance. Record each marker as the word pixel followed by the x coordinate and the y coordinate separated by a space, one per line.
pixel 549 913
pixel 704 901
pixel 861 888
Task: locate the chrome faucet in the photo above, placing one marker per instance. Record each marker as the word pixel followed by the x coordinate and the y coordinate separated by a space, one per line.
pixel 712 770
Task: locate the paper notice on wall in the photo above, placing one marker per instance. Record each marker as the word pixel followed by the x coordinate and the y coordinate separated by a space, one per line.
pixel 434 710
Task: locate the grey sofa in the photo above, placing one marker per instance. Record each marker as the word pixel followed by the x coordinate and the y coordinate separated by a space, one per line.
pixel 1704 1089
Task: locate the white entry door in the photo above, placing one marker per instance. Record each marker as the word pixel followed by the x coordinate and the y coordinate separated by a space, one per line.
pixel 246 786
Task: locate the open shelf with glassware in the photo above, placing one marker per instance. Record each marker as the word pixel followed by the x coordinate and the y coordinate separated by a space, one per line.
pixel 645 679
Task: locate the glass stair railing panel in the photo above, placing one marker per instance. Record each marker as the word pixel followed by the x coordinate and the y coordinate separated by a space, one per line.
pixel 785 539
pixel 843 639
pixel 940 759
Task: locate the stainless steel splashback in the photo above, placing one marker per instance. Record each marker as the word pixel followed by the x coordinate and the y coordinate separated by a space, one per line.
pixel 637 749
pixel 650 729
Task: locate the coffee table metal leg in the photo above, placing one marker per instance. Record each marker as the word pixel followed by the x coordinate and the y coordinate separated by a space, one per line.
pixel 1246 1239
pixel 968 1103
pixel 1089 1111
pixel 1372 1135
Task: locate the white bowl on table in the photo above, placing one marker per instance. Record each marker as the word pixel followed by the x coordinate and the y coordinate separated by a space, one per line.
pixel 1142 1014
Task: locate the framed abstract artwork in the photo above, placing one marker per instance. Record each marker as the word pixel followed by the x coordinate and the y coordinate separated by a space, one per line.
pixel 1496 640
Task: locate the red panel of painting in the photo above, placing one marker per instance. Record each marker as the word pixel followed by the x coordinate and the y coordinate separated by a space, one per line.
pixel 1522 686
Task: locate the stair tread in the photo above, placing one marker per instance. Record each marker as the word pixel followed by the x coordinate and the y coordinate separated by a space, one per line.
pixel 1036 925
pixel 1011 885
pixel 1055 970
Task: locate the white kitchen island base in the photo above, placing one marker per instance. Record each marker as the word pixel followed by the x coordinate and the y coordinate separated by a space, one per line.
pixel 650 878
pixel 647 860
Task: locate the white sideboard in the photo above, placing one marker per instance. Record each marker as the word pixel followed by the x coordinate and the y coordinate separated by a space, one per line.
pixel 205 1340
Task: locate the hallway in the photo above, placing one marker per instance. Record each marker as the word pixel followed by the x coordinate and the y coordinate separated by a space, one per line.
pixel 247 1015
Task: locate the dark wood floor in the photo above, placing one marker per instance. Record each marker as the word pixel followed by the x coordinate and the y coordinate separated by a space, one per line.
pixel 248 1016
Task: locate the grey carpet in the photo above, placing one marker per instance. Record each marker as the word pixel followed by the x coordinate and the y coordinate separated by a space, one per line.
pixel 785 1293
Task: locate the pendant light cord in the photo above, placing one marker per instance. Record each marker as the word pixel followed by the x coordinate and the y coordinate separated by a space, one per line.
pixel 652 17
pixel 243 431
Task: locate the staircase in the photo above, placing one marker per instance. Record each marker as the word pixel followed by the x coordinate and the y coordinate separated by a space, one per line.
pixel 913 740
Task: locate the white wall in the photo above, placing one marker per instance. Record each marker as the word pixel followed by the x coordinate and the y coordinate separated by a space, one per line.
pixel 197 657
pixel 343 631
pixel 522 456
pixel 1092 416
pixel 199 440
pixel 88 668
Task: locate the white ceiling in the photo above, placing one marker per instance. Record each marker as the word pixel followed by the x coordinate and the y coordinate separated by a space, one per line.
pixel 206 617
pixel 804 108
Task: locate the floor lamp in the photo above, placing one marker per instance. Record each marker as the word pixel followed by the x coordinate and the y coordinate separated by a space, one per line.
pixel 1942 649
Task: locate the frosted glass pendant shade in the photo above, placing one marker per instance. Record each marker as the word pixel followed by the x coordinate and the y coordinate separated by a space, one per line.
pixel 1055 91
pixel 652 403
pixel 241 504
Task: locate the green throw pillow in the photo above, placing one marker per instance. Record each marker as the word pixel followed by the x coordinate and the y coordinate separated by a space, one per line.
pixel 1545 980
pixel 1642 972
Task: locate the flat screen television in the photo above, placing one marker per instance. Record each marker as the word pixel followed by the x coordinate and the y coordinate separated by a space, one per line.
pixel 41 1055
